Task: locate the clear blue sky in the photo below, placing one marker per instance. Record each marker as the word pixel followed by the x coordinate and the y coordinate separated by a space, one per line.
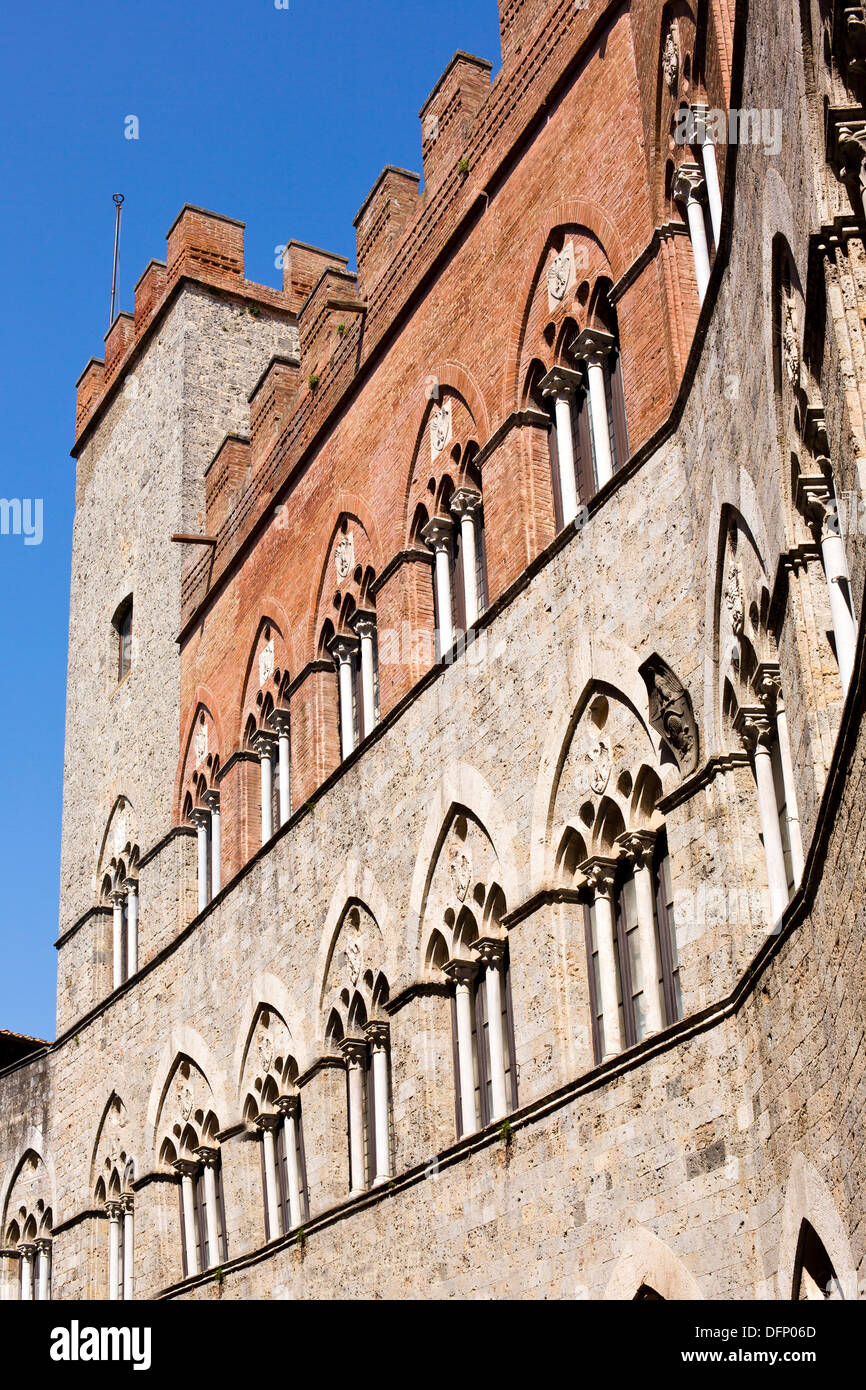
pixel 282 118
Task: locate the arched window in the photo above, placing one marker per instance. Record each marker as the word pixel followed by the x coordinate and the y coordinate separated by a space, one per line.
pixel 814 1275
pixel 29 1242
pixel 482 1032
pixel 116 1199
pixel 200 1198
pixel 456 536
pixel 120 890
pixel 645 960
pixel 122 624
pixel 367 1053
pixel 284 1180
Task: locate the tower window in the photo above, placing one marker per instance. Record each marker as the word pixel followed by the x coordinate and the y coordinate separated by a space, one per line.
pixel 123 635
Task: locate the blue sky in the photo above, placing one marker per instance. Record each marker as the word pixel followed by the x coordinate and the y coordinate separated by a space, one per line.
pixel 280 117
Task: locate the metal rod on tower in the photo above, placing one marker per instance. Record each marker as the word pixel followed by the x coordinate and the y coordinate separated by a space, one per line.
pixel 118 204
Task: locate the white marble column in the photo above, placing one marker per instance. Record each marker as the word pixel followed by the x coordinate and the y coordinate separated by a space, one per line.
pixel 27 1254
pixel 465 503
pixel 117 898
pixel 113 1211
pixel 187 1191
pixel 768 683
pixel 560 385
pixel 638 847
pixel 437 534
pixel 593 347
pixel 342 649
pixel 818 498
pixel 290 1109
pixel 688 188
pixel 212 801
pixel 756 728
pixel 264 746
pixel 268 1126
pixel 704 141
pixel 128 1207
pixel 200 818
pixel 354 1051
pixel 600 874
pixel 364 624
pixel 463 972
pixel 280 722
pixel 210 1159
pixel 43 1269
pixel 377 1034
pixel 131 926
pixel 491 954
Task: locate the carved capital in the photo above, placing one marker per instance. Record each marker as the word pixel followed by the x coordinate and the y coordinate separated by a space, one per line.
pixel 343 648
pixel 112 1210
pixel 263 1122
pixel 466 502
pixel 185 1168
pixel 689 186
pixel 851 151
pixel 378 1033
pixel 43 1245
pixel 755 727
pixel 200 816
pixel 591 345
pixel 364 623
pixel 279 721
pixel 208 1156
pixel 263 743
pixel 127 1202
pixel 354 1051
pixel 637 847
pixel 561 383
pixel 27 1249
pixel 490 951
pixel 462 972
pixel 600 874
pixel 211 799
pixel 288 1106
pixel 437 532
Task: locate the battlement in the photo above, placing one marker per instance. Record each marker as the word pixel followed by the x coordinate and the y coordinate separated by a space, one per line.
pixel 389 207
pixel 448 113
pixel 202 246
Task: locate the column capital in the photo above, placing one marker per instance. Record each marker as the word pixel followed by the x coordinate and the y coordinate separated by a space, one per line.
pixel 263 743
pixel 816 498
pixel 127 1202
pixel 364 622
pixel 112 1209
pixel 288 1106
pixel 688 186
pixel 130 887
pixel 118 894
pixel 27 1249
pixel 211 799
pixel 561 382
pixel 185 1168
pixel 755 727
pixel 200 816
pixel 466 502
pixel 490 950
pixel 462 972
pixel 378 1034
pixel 767 683
pixel 279 721
pixel 342 648
pixel 850 143
pixel 600 873
pixel 637 846
pixel 437 532
pixel 263 1122
pixel 591 345
pixel 43 1245
pixel 354 1051
pixel 208 1155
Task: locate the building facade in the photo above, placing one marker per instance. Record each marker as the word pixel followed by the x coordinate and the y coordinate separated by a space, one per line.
pixel 463 821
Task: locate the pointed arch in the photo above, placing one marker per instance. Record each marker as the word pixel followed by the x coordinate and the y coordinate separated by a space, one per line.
pixel 646 1261
pixel 32 1148
pixel 183 1044
pixel 808 1199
